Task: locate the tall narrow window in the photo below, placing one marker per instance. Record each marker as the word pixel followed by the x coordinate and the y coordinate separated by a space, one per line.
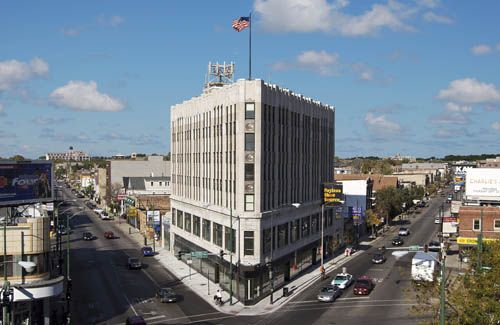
pixel 230 240
pixel 249 202
pixel 248 246
pixel 249 142
pixel 249 111
pixel 217 234
pixel 187 222
pixel 196 226
pixel 477 224
pixel 249 172
pixel 206 230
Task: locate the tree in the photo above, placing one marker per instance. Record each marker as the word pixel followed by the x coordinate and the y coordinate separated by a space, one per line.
pixel 17 158
pixel 372 220
pixel 471 298
pixel 388 202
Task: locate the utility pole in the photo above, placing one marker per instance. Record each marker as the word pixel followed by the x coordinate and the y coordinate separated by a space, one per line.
pixel 442 301
pixel 231 258
pixel 480 244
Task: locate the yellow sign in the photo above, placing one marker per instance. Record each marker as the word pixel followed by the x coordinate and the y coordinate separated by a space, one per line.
pixel 132 212
pixel 332 193
pixel 473 240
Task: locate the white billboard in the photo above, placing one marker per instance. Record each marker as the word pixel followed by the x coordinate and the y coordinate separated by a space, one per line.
pixel 483 183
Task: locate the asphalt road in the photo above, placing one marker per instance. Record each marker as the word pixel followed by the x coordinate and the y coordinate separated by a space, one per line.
pixel 105 291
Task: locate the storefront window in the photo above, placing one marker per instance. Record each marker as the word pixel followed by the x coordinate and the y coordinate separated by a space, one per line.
pixel 180 221
pixel 187 222
pixel 282 235
pixel 230 239
pixel 217 234
pixel 306 227
pixel 295 231
pixel 196 225
pixel 206 230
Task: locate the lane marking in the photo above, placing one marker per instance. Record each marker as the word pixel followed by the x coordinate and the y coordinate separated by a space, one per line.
pixel 154 317
pixel 309 301
pixel 344 306
pixel 196 316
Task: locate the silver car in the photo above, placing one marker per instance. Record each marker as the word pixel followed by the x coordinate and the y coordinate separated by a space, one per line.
pixel 329 293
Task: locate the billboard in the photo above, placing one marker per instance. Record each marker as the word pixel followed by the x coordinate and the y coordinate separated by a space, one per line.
pixel 332 194
pixel 26 182
pixel 153 217
pixel 483 183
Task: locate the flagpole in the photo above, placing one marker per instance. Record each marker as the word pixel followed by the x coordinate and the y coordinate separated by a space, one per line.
pixel 250 48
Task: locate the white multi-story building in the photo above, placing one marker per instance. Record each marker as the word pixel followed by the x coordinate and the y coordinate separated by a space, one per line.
pixel 242 155
pixel 74 155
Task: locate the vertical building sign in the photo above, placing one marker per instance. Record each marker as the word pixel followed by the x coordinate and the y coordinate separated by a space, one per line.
pixel 332 194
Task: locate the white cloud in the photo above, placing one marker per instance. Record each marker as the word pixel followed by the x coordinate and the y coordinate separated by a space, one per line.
pixel 14 72
pixel 452 107
pixel 481 49
pixel 84 96
pixel 381 124
pixel 319 15
pixel 470 91
pixel 428 3
pixel 435 18
pixel 71 31
pixel 495 126
pixel 450 118
pixel 113 21
pixel 320 62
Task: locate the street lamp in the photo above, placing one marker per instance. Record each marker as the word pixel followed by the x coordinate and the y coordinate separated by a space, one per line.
pixel 269 261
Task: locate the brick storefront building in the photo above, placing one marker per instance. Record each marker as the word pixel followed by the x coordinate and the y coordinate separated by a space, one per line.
pixel 471 223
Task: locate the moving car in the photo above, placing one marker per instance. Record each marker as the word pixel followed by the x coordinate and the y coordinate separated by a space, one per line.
pixel 88 236
pixel 109 235
pixel 166 295
pixel 342 280
pixel 449 198
pixel 147 251
pixel 434 246
pixel 398 241
pixel 98 211
pixel 105 216
pixel 404 231
pixel 134 263
pixel 329 293
pixel 378 258
pixel 135 320
pixel 363 286
pixel 437 220
pixel 63 230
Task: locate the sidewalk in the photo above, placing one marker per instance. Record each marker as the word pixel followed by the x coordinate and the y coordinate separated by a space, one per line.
pixel 206 289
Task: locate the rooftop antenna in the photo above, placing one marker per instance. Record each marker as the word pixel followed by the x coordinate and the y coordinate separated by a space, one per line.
pixel 218 75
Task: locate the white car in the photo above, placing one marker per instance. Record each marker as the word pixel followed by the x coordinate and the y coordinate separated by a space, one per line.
pixel 404 232
pixel 342 280
pixel 98 211
pixel 105 216
pixel 437 220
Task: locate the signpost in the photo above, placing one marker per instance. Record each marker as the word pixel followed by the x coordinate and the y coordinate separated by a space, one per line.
pixel 414 248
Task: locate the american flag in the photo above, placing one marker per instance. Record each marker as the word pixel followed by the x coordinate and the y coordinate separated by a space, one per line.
pixel 241 23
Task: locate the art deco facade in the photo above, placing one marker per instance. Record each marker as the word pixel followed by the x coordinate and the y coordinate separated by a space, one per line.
pixel 241 155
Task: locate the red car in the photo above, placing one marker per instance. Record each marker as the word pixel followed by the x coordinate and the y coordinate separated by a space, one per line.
pixel 109 235
pixel 363 286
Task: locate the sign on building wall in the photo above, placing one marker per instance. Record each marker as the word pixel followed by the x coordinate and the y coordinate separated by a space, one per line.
pixel 332 194
pixel 483 183
pixel 23 182
pixel 153 217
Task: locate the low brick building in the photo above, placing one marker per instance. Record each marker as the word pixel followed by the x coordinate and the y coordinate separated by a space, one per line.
pixel 473 218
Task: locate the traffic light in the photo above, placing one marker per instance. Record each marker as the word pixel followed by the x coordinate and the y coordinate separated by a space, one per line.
pixel 221 253
pixel 69 286
pixel 179 255
pixel 5 297
pixel 426 248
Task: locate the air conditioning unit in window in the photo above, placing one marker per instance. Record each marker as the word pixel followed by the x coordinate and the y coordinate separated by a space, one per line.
pixel 249 157
pixel 249 126
pixel 249 187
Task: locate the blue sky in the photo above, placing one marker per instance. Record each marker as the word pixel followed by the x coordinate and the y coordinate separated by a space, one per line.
pixel 418 78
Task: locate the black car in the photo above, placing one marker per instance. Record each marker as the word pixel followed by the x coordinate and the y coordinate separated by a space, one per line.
pixel 398 241
pixel 134 263
pixel 135 320
pixel 166 295
pixel 434 246
pixel 378 258
pixel 88 236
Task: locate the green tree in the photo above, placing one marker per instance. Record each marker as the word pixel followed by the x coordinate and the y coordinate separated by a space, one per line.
pixel 372 219
pixel 388 202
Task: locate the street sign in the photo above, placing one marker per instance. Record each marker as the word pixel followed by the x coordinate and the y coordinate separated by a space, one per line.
pixel 200 254
pixel 414 248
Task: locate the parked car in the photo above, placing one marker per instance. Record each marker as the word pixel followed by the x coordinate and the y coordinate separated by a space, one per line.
pixel 434 246
pixel 98 211
pixel 88 236
pixel 378 258
pixel 437 220
pixel 134 263
pixel 147 251
pixel 135 320
pixel 329 293
pixel 109 235
pixel 404 231
pixel 342 280
pixel 90 204
pixel 398 241
pixel 63 230
pixel 166 295
pixel 363 286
